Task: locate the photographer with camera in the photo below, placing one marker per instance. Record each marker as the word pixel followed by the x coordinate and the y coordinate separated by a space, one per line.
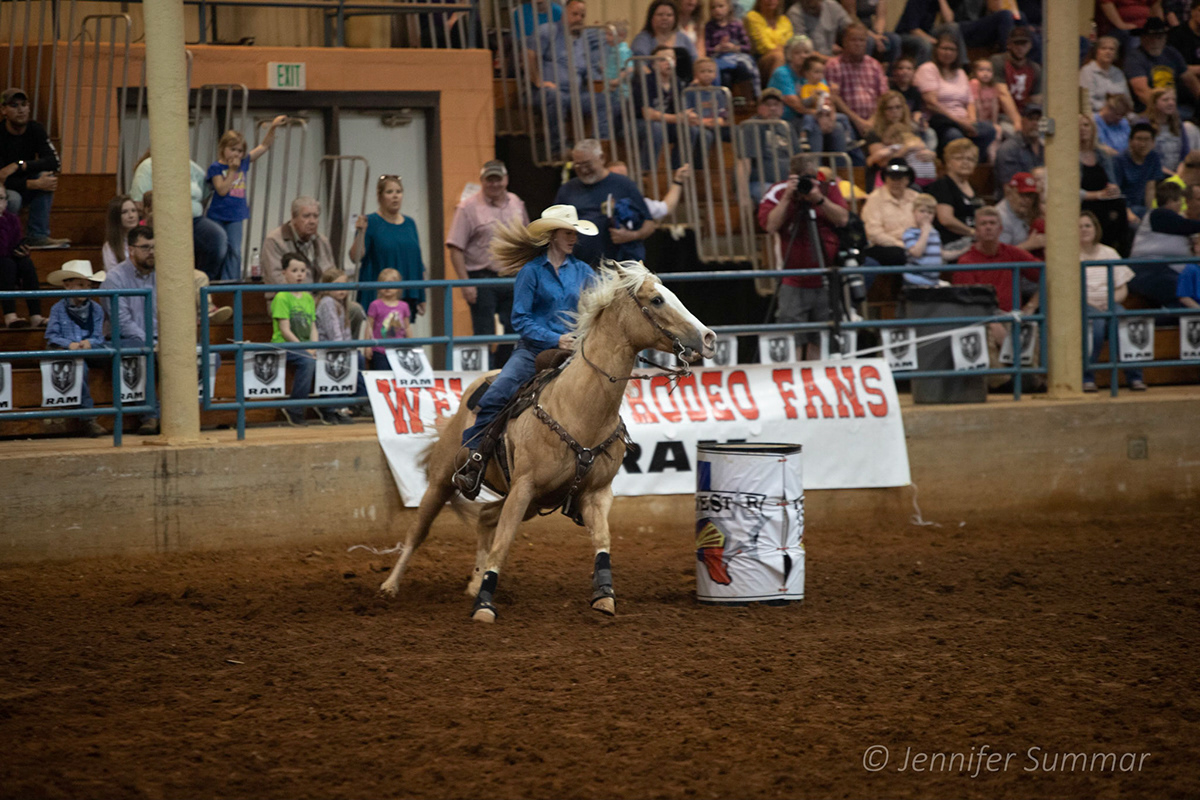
pixel 804 212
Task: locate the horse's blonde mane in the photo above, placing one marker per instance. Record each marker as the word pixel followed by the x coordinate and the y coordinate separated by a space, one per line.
pixel 613 278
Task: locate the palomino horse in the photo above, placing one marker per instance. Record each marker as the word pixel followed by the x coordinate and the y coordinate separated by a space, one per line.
pixel 626 309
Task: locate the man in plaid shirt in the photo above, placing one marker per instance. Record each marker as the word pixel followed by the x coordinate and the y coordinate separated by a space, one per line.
pixel 856 79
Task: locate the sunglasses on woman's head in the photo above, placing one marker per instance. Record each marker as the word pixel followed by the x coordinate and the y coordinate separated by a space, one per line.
pixel 396 178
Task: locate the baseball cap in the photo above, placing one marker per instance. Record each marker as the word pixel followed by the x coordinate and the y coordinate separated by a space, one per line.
pixel 1024 183
pixel 771 93
pixel 1020 34
pixel 494 167
pixel 13 94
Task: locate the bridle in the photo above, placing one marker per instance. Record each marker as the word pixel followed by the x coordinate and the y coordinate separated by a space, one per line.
pixel 679 348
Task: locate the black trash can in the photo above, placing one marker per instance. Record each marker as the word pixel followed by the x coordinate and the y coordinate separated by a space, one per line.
pixel 927 302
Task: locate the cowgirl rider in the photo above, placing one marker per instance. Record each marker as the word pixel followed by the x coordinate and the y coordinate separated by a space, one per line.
pixel 549 281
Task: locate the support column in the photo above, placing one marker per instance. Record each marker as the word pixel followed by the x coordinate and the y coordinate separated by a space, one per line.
pixel 1062 304
pixel 166 79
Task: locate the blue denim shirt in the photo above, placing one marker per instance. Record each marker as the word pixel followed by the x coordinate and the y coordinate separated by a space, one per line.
pixel 541 296
pixel 61 330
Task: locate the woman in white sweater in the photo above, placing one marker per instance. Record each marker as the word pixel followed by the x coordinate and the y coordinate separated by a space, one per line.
pixel 1101 77
pixel 1090 249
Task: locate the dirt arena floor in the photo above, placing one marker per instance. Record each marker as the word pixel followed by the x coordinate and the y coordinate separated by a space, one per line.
pixel 281 674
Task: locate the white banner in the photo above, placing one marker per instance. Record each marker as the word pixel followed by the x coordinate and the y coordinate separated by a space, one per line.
pixel 969 348
pixel 1189 339
pixel 725 352
pixel 410 365
pixel 214 359
pixel 847 343
pixel 900 352
pixel 845 414
pixel 133 379
pixel 470 357
pixel 264 373
pixel 6 401
pixel 62 382
pixel 336 372
pixel 776 348
pixel 1135 337
pixel 1029 340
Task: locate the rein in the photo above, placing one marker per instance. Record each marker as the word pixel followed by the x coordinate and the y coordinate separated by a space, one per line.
pixel 678 347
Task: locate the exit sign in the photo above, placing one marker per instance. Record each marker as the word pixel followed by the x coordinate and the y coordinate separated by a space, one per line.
pixel 285 76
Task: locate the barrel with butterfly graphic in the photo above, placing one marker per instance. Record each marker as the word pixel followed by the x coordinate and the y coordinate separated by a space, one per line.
pixel 749 523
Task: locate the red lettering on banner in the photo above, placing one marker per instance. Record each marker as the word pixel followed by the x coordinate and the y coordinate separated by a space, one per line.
pixel 711 381
pixel 844 391
pixel 738 378
pixel 811 392
pixel 668 410
pixel 635 395
pixel 402 410
pixel 784 380
pixel 456 388
pixel 441 406
pixel 870 373
pixel 693 405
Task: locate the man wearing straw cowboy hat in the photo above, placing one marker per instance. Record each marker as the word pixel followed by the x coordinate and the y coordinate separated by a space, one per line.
pixel 77 323
pixel 549 282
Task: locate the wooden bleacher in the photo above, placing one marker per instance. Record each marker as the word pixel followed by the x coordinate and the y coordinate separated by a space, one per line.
pixel 78 214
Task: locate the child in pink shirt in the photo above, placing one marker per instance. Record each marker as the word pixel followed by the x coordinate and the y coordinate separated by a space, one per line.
pixel 389 317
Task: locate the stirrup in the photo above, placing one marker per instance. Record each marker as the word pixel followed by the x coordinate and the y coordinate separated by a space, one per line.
pixel 468 478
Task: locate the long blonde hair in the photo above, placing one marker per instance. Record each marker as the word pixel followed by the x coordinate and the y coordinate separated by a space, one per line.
pixel 1158 118
pixel 879 121
pixel 513 246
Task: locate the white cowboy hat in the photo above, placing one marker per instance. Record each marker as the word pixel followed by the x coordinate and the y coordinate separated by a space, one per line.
pixel 79 268
pixel 562 217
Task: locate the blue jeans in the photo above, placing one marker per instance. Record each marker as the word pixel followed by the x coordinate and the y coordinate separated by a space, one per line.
pixel 558 101
pixel 231 266
pixel 825 142
pixel 650 140
pixel 1099 337
pixel 991 30
pixel 303 368
pixel 518 369
pixel 947 131
pixel 211 244
pixel 39 209
pixel 737 67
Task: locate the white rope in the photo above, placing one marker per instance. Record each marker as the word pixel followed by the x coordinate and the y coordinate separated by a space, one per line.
pixel 396 549
pixel 916 518
pixel 1013 316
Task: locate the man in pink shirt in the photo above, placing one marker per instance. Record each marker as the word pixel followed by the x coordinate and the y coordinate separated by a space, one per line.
pixel 469 243
pixel 857 79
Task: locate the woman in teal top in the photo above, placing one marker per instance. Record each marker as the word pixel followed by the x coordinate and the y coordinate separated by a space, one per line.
pixel 388 239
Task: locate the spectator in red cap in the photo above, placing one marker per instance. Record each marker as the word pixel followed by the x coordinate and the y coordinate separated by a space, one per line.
pixel 28 162
pixel 1018 210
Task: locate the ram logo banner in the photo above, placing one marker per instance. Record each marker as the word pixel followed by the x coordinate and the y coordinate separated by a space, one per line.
pixel 900 349
pixel 62 382
pixel 133 379
pixel 1189 338
pixel 1029 342
pixel 264 373
pixel 776 348
pixel 411 366
pixel 1135 338
pixel 969 348
pixel 725 353
pixel 5 386
pixel 845 413
pixel 469 357
pixel 336 373
pixel 846 344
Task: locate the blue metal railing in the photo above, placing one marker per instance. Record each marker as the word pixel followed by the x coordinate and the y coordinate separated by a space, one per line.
pixel 115 352
pixel 1114 313
pixel 238 346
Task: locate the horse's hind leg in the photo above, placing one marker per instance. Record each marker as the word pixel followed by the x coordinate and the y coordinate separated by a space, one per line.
pixel 434 500
pixel 486 531
pixel 520 495
pixel 594 507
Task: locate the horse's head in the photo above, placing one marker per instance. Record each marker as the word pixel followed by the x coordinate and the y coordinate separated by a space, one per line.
pixel 657 319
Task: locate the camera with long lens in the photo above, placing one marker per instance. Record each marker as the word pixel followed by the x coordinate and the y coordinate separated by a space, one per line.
pixel 805 185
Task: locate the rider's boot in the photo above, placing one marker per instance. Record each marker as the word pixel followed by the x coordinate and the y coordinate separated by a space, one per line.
pixel 468 478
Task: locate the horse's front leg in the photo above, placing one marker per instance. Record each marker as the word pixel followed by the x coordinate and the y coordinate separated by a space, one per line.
pixel 520 495
pixel 594 506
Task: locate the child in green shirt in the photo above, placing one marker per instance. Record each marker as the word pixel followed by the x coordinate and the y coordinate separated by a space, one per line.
pixel 293 316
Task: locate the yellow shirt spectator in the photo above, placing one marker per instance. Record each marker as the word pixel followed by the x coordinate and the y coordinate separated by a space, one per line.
pixel 763 37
